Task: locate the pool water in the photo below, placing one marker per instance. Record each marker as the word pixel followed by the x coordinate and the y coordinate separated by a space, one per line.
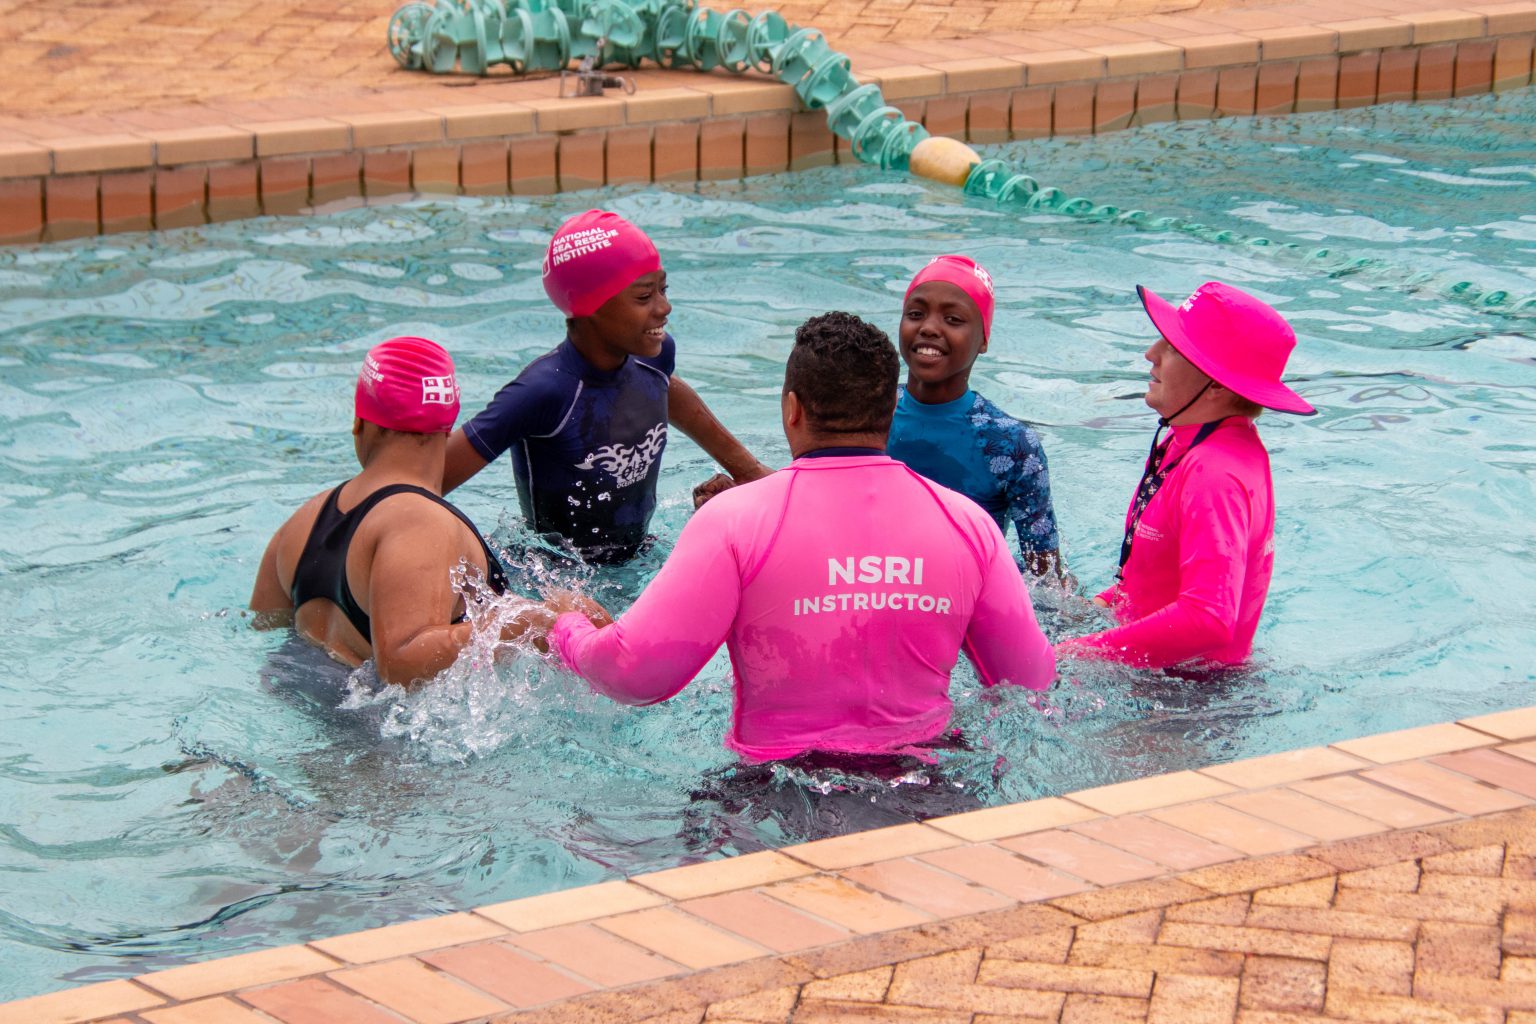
pixel 175 785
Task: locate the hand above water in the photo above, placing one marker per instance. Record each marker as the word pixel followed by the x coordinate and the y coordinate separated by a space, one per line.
pixel 721 482
pixel 711 487
pixel 561 601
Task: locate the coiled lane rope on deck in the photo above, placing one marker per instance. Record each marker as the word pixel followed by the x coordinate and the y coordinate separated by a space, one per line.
pixel 536 35
pixel 473 36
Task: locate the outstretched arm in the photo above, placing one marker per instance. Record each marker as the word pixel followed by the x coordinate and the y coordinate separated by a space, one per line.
pixel 411 601
pixel 1004 641
pixel 1047 564
pixel 670 632
pixel 1027 486
pixel 688 413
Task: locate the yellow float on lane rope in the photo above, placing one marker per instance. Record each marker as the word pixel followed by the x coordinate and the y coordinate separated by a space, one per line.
pixel 943 159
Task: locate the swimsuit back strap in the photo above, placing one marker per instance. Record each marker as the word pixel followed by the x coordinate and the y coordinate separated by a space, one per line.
pixel 322 569
pixel 495 577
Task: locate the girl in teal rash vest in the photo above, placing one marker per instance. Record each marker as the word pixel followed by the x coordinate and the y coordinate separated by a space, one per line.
pixel 951 434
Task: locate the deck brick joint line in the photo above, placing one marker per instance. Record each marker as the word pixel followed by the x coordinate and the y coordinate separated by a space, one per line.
pixel 1202 839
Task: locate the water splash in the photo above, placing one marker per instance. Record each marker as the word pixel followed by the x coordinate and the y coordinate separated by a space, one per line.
pixel 501 691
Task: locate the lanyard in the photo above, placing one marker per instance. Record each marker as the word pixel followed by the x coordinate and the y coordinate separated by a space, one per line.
pixel 1152 479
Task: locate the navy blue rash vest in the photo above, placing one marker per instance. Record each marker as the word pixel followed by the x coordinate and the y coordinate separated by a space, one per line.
pixel 586 446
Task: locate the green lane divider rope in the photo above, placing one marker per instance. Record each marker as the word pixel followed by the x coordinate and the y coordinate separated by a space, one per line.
pixel 473 36
pixel 998 181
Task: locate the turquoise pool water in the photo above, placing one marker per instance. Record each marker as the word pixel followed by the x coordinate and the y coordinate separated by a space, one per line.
pixel 174 785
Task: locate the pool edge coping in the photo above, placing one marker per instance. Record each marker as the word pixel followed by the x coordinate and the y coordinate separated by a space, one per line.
pixel 656 915
pixel 708 127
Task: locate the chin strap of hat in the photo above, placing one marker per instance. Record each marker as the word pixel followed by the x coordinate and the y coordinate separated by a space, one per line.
pixel 1167 421
pixel 1155 473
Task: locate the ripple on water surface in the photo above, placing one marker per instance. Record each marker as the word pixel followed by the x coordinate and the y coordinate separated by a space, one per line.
pixel 176 785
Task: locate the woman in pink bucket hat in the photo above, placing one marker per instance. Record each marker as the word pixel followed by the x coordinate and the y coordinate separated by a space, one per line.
pixel 1198 550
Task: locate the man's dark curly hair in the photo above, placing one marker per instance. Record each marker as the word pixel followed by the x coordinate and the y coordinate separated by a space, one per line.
pixel 844 372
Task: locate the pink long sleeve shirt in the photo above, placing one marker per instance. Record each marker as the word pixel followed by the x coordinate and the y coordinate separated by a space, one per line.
pixel 1202 556
pixel 845 587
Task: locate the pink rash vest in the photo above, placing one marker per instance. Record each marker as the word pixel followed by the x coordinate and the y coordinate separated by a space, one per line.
pixel 845 587
pixel 1201 559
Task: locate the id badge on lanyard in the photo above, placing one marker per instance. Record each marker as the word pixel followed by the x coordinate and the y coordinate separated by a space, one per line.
pixel 1152 479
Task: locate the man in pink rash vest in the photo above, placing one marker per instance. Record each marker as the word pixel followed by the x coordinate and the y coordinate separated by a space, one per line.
pixel 1199 534
pixel 845 585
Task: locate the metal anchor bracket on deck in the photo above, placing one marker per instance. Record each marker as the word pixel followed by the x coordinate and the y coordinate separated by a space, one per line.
pixel 590 80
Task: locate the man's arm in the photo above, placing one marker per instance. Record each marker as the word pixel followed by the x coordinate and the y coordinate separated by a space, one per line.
pixel 461 461
pixel 688 413
pixel 670 632
pixel 1004 641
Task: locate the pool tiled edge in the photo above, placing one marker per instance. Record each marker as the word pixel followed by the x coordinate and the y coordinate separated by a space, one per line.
pixel 684 126
pixel 730 928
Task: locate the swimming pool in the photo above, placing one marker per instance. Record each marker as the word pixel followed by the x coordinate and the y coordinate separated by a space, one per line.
pixel 174 785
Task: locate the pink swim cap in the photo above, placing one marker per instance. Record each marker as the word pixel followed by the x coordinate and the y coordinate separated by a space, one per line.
pixel 407 384
pixel 967 275
pixel 594 256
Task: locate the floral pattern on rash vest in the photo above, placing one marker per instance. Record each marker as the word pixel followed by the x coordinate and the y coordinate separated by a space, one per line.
pixel 1016 458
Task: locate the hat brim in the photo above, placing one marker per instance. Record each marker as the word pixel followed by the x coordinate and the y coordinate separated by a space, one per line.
pixel 1271 394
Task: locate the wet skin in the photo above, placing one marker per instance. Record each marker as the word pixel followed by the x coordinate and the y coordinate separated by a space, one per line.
pixel 632 323
pixel 941 335
pixel 1174 379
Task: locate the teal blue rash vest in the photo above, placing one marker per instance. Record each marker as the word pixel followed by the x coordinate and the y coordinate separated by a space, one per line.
pixel 971 446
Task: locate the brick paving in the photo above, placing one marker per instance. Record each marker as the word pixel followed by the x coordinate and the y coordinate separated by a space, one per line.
pixel 61 55
pixel 75 67
pixel 1430 925
pixel 1396 881
pixel 130 117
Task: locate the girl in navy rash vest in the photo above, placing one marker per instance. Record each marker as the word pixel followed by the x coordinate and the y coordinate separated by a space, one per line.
pixel 954 436
pixel 587 422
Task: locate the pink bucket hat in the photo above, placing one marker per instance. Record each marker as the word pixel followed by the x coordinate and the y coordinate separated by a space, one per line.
pixel 967 275
pixel 1234 339
pixel 408 384
pixel 594 256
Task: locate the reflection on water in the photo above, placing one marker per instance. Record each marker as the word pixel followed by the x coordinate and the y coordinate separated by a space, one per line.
pixel 176 785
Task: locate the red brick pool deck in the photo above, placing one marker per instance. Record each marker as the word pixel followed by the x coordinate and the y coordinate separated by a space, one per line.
pixel 1384 879
pixel 170 113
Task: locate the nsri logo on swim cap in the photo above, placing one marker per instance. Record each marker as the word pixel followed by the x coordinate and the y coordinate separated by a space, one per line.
pixel 371 369
pixel 439 390
pixel 982 276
